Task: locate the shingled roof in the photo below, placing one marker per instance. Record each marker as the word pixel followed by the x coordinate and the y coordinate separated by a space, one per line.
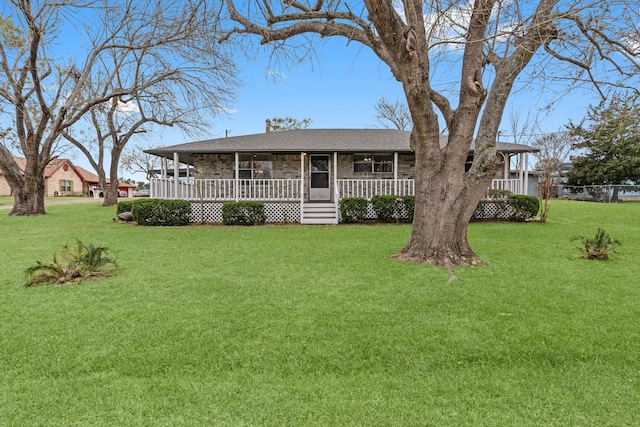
pixel 309 141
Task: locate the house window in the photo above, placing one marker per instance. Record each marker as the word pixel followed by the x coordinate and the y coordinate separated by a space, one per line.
pixel 372 163
pixel 65 185
pixel 255 166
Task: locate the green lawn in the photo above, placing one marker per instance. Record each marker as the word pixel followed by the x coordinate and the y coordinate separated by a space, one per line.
pixel 316 325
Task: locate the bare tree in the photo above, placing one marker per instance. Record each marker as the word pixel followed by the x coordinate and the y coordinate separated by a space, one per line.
pixel 135 160
pixel 151 55
pixel 554 150
pixel 491 42
pixel 286 123
pixel 393 115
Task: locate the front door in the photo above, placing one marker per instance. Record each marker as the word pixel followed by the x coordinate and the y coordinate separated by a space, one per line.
pixel 319 177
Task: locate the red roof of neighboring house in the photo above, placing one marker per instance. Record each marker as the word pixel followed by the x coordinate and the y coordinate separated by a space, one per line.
pixel 56 164
pixel 92 178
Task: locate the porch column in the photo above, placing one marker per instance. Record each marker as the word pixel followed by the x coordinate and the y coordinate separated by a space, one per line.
pixel 336 190
pixel 301 187
pixel 507 167
pixel 395 173
pixel 176 174
pixel 236 181
pixel 521 174
pixel 165 175
pixel 526 174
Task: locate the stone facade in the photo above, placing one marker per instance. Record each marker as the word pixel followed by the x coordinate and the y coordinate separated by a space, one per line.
pixel 287 166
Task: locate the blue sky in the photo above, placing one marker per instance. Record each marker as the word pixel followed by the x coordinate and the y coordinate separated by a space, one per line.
pixel 339 89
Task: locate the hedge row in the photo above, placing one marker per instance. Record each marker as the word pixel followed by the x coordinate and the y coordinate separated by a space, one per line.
pixel 393 208
pixel 387 208
pixel 517 208
pixel 157 212
pixel 243 213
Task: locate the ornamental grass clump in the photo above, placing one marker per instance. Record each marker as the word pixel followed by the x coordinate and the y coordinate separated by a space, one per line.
pixel 599 247
pixel 71 265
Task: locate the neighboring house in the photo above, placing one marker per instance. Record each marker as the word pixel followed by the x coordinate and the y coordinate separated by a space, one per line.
pixel 63 178
pixel 302 174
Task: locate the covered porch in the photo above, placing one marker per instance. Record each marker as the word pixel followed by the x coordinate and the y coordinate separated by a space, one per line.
pixel 312 195
pixel 302 174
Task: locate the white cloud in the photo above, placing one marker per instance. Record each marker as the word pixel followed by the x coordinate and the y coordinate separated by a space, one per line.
pixel 127 107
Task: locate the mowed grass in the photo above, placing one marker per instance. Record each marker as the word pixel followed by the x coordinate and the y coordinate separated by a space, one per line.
pixel 316 325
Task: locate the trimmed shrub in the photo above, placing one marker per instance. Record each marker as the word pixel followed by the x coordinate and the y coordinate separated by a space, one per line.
pixel 159 212
pixel 516 208
pixel 499 194
pixel 243 213
pixel 125 206
pixel 385 207
pixel 353 209
pixel 524 207
pixel 408 204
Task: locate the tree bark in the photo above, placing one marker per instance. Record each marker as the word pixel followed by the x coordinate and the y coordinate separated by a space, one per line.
pixel 29 199
pixel 28 186
pixel 444 205
pixel 111 193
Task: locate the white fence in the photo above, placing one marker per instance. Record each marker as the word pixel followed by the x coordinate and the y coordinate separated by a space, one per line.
pixel 512 185
pixel 226 189
pixel 368 188
pixel 289 189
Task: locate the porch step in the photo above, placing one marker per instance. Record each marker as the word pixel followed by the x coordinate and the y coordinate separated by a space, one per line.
pixel 319 213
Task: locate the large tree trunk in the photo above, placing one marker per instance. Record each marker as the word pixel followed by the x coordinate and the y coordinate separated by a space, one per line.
pixel 28 187
pixel 29 199
pixel 111 193
pixel 445 202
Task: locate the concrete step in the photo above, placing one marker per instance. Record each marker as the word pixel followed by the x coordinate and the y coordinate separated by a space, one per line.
pixel 319 213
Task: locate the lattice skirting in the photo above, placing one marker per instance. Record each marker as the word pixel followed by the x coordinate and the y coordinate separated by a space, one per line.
pixel 289 212
pixel 276 212
pixel 493 210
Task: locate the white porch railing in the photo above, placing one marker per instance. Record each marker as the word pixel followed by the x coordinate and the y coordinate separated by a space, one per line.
pixel 512 185
pixel 226 189
pixel 368 188
pixel 289 189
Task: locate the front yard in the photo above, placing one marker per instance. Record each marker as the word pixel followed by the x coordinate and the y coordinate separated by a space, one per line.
pixel 316 325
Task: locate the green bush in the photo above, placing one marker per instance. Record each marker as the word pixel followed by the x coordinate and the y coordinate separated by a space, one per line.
pixel 524 207
pixel 407 207
pixel 353 209
pixel 243 213
pixel 125 206
pixel 385 207
pixel 159 212
pixel 512 208
pixel 498 194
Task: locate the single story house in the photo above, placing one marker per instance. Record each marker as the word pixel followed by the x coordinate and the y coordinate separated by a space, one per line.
pixel 63 178
pixel 302 174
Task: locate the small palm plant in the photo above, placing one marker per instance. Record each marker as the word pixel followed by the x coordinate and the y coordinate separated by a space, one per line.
pixel 599 247
pixel 71 264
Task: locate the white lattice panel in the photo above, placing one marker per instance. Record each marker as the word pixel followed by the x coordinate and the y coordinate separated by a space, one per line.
pixel 276 212
pixel 493 209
